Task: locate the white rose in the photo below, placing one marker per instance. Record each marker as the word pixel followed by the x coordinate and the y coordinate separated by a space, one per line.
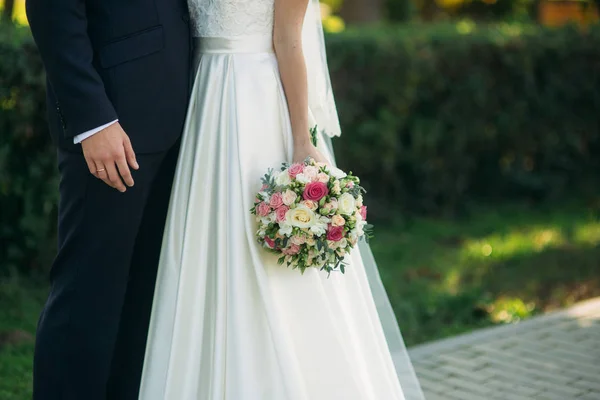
pixel 285 230
pixel 337 173
pixel 283 178
pixel 302 178
pixel 320 226
pixel 347 204
pixel 289 197
pixel 310 172
pixel 301 217
pixel 359 201
pixel 264 196
pixel 358 216
pixel 334 203
pixel 268 219
pixel 342 243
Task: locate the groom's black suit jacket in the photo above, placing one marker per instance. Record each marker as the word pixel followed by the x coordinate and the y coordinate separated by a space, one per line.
pixel 115 59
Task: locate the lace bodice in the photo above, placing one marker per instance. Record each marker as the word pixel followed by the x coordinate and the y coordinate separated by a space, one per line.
pixel 230 18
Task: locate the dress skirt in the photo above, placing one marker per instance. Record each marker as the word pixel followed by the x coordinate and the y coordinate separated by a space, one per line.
pixel 228 322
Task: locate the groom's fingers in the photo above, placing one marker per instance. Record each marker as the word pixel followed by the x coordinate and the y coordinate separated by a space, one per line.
pixel 114 177
pixel 91 166
pixel 129 153
pixel 124 170
pixel 100 172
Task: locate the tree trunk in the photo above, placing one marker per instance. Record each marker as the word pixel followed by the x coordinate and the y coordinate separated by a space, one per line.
pixel 7 13
pixel 362 11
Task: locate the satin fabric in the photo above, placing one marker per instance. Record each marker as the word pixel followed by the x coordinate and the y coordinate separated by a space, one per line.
pixel 228 322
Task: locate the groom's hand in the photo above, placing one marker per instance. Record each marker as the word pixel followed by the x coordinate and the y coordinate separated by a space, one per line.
pixel 109 155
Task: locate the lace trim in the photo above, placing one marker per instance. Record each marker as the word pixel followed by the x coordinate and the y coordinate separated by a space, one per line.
pixel 226 18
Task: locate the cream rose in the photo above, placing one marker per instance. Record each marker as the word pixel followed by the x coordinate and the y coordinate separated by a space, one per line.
pixel 310 204
pixel 289 197
pixel 323 177
pixel 301 217
pixel 337 220
pixel 347 204
pixel 336 189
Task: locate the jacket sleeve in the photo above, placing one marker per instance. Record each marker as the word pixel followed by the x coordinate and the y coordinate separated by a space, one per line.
pixel 59 28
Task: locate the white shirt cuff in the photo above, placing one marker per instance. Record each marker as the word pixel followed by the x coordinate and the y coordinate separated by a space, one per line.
pixel 81 137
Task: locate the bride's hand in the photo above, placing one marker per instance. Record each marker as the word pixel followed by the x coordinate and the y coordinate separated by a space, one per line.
pixel 304 150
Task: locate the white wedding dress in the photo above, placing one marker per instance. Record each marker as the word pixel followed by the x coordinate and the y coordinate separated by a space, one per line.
pixel 229 322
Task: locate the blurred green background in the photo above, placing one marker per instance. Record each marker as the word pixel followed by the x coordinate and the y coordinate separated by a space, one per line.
pixel 473 123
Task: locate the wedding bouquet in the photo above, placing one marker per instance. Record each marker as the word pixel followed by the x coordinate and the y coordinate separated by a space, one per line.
pixel 311 215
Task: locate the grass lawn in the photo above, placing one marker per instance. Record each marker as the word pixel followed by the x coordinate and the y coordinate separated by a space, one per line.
pixel 444 277
pixel 497 266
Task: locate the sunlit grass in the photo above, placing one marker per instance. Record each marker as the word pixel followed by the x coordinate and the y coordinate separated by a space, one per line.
pixel 497 266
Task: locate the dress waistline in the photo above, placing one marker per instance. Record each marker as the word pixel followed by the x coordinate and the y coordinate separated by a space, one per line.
pixel 234 45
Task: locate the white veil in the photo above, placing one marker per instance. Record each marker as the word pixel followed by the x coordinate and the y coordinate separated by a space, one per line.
pixel 323 113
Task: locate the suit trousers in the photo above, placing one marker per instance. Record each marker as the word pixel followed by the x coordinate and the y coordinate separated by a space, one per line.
pixel 92 332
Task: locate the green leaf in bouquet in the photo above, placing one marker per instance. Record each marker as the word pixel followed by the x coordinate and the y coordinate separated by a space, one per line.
pixel 281 260
pixel 322 202
pixel 314 135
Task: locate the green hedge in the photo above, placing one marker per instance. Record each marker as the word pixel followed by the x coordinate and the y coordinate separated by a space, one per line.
pixel 28 179
pixel 434 118
pixel 437 118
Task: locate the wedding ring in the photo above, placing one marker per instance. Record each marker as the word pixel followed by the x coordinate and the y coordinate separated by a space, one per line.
pixel 100 170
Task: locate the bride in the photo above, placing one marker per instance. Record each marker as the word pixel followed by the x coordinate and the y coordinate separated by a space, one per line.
pixel 228 322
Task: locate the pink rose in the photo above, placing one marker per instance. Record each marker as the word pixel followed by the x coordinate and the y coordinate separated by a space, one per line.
pixel 363 212
pixel 350 184
pixel 281 212
pixel 276 200
pixel 298 240
pixel 263 209
pixel 293 249
pixel 323 177
pixel 264 187
pixel 315 191
pixel 335 233
pixel 295 169
pixel 270 242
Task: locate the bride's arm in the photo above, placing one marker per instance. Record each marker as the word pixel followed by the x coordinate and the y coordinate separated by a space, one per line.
pixel 287 39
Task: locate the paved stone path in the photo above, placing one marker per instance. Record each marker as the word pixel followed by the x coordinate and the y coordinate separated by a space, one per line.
pixel 551 357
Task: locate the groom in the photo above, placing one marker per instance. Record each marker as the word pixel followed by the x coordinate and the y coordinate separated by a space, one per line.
pixel 118 85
